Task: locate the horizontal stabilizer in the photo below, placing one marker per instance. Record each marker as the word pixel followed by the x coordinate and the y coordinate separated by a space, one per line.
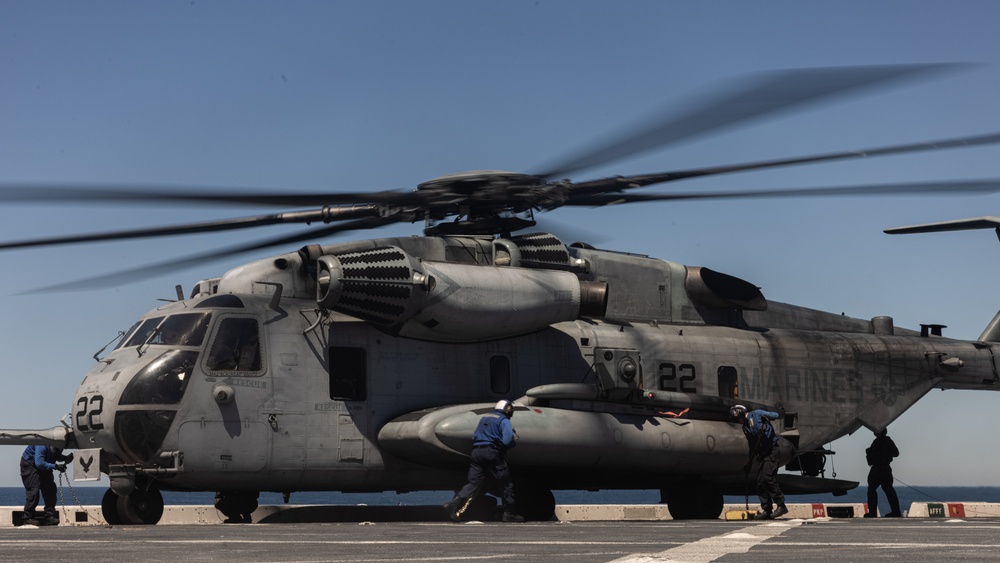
pixel 992 332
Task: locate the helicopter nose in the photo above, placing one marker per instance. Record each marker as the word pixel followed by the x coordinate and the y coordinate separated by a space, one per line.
pixel 140 433
pixel 149 403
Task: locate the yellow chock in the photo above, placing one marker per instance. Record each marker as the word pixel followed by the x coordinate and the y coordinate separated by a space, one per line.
pixel 739 514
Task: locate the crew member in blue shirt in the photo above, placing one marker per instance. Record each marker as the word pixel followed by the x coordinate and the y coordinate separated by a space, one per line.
pixel 37 464
pixel 763 443
pixel 488 471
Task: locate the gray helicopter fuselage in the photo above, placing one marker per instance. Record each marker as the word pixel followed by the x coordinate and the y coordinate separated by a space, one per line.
pixel 267 379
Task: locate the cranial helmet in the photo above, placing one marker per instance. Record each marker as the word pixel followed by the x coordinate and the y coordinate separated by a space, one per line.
pixel 737 412
pixel 506 407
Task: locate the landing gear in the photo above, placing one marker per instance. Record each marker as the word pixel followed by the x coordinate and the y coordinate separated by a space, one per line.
pixel 534 501
pixel 109 508
pixel 237 506
pixel 692 500
pixel 144 505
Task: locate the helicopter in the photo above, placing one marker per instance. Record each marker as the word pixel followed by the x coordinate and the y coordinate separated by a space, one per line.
pixel 364 366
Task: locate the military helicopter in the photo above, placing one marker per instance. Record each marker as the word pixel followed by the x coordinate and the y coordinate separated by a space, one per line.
pixel 363 366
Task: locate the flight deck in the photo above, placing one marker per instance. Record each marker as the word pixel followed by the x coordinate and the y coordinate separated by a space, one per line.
pixel 821 539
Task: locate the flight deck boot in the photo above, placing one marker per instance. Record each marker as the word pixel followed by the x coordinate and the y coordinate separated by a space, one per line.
pixel 510 516
pixel 32 519
pixel 894 506
pixel 453 506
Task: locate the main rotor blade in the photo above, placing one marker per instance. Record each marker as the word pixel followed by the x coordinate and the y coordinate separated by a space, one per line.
pixel 760 95
pixel 642 180
pixel 18 193
pixel 925 188
pixel 987 222
pixel 326 215
pixel 135 274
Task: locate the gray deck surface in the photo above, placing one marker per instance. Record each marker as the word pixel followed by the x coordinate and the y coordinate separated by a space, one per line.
pixel 915 539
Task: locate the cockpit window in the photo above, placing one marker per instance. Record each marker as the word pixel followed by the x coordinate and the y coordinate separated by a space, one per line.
pixel 141 334
pixel 183 330
pixel 187 329
pixel 236 348
pixel 125 337
pixel 162 381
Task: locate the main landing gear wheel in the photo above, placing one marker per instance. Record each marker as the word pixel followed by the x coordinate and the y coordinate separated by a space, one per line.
pixel 237 506
pixel 534 502
pixel 692 501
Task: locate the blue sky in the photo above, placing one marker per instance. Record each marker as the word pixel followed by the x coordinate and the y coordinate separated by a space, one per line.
pixel 381 95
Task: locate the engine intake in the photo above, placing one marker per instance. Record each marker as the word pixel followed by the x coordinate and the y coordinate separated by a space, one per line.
pixel 534 250
pixel 447 302
pixel 722 291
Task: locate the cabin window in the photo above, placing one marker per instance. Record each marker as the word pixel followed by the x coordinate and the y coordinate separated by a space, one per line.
pixel 348 373
pixel 236 348
pixel 500 374
pixel 728 382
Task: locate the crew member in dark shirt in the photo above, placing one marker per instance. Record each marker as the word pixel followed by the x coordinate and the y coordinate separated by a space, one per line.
pixel 37 464
pixel 488 469
pixel 879 455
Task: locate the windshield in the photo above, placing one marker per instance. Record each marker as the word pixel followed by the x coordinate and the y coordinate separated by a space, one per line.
pixel 123 337
pixel 163 381
pixel 187 329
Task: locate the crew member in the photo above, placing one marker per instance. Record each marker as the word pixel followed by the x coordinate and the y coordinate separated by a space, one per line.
pixel 488 471
pixel 763 443
pixel 37 464
pixel 879 455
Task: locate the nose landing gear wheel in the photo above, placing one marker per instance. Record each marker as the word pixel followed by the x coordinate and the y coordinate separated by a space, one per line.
pixel 109 508
pixel 144 505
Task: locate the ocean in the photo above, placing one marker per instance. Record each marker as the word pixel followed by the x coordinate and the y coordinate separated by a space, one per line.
pixel 91 495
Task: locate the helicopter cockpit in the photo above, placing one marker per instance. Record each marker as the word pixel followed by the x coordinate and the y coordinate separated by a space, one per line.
pixel 139 387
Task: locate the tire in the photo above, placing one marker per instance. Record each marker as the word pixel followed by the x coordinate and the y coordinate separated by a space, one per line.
pixel 142 506
pixel 109 508
pixel 535 502
pixel 693 501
